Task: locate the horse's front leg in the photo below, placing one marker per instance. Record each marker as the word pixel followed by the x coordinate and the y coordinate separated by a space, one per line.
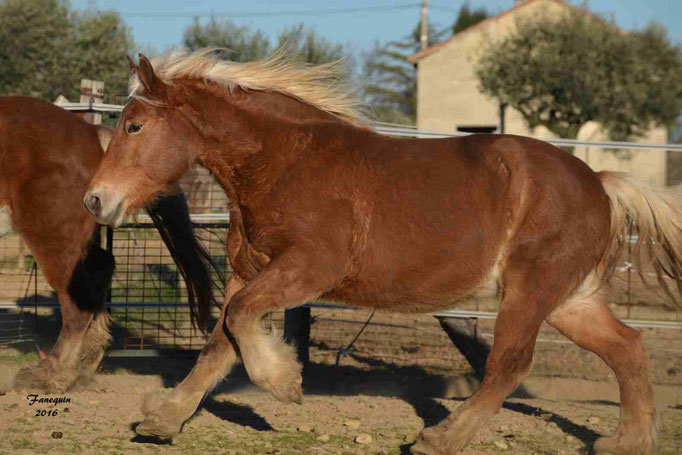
pixel 288 281
pixel 166 412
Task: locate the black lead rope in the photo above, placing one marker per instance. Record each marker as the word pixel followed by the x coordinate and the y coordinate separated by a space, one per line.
pixel 344 351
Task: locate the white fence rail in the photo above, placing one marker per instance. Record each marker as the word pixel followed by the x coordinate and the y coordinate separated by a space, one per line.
pixel 391 129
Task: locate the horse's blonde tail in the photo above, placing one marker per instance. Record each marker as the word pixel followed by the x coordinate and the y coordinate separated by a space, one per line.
pixel 655 217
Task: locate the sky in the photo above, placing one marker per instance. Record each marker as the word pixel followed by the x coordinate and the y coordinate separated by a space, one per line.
pixel 158 24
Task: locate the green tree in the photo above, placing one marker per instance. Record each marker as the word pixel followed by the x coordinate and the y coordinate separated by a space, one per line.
pixel 36 40
pixel 390 81
pixel 309 46
pixel 248 44
pixel 468 17
pixel 561 73
pixel 101 45
pixel 45 49
pixel 245 43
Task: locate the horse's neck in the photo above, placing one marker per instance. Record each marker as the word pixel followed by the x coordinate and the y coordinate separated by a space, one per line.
pixel 269 133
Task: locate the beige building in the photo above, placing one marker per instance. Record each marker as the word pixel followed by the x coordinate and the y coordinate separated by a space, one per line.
pixel 449 99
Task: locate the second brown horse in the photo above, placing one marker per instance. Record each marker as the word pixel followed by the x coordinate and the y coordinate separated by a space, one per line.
pixel 47 157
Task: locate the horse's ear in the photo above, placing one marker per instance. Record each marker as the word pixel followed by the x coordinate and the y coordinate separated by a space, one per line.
pixel 148 79
pixel 105 136
pixel 133 66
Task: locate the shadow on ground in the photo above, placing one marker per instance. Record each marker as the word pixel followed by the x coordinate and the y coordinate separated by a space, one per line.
pixel 414 385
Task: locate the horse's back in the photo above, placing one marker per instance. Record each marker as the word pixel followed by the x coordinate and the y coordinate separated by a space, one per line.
pixel 47 157
pixel 41 139
pixel 39 130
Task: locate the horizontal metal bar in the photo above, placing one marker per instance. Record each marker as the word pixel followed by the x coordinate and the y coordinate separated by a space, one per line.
pixel 630 322
pixel 133 353
pixel 200 224
pixel 408 130
pixel 22 340
pixel 401 131
pixel 196 217
pixel 14 320
pixel 652 324
pixel 441 314
pixel 466 314
pixel 214 220
pixel 151 352
pixel 14 305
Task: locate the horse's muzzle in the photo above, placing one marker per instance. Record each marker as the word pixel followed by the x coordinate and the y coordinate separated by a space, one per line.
pixel 106 208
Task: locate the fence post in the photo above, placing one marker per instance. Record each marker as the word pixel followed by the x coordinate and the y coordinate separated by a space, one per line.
pixel 297 331
pixel 92 92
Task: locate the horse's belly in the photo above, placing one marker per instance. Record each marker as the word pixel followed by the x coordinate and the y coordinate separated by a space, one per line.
pixel 444 289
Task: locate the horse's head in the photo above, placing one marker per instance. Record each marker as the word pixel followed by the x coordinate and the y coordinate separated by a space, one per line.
pixel 199 107
pixel 150 150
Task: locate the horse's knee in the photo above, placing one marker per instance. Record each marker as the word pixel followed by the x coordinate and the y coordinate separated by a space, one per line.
pixel 232 314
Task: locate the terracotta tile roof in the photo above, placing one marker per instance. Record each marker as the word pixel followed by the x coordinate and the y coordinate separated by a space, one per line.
pixel 414 58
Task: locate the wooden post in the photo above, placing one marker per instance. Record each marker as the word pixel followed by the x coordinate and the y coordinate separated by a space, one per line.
pixel 92 92
pixel 463 333
pixel 297 331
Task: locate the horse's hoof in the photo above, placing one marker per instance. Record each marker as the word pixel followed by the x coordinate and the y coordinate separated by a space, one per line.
pixel 289 393
pixel 428 443
pixel 284 384
pixel 43 377
pixel 153 426
pixel 620 445
pixel 162 418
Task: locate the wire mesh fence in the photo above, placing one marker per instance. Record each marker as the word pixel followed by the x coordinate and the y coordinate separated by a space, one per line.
pixel 23 292
pixel 148 292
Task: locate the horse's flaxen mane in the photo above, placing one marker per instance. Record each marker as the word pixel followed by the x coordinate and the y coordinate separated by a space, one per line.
pixel 317 85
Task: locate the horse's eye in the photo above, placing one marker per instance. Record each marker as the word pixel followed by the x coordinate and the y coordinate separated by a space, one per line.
pixel 134 128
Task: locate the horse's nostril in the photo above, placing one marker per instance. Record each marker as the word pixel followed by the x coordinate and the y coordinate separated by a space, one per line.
pixel 93 204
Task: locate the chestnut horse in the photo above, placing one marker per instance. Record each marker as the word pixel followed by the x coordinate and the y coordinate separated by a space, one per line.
pixel 323 207
pixel 47 157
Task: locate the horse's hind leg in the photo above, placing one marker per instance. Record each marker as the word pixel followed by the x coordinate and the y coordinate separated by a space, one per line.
pixel 84 334
pixel 529 292
pixel 97 338
pixel 93 274
pixel 59 370
pixel 591 325
pixel 165 413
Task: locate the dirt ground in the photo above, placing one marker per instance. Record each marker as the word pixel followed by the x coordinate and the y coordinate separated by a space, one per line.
pixel 390 404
